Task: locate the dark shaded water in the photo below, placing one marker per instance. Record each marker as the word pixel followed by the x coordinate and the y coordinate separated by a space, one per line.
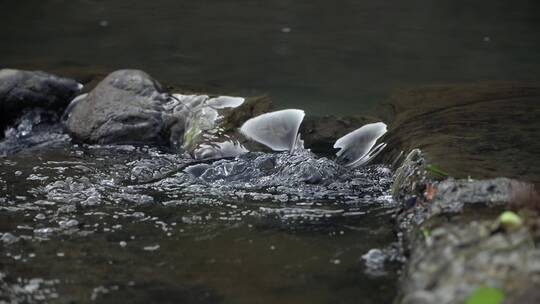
pixel 75 228
pixel 307 54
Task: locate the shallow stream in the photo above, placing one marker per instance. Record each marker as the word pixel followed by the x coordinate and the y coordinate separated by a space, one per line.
pixel 110 223
pixel 114 224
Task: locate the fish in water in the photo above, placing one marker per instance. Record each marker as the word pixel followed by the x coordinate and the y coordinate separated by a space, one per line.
pixel 357 148
pixel 279 131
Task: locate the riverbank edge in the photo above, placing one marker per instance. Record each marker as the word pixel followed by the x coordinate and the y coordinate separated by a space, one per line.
pixel 458 243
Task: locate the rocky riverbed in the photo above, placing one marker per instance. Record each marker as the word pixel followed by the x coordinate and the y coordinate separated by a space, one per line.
pixel 109 198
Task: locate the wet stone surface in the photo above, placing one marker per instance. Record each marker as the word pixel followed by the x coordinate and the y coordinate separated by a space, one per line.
pixel 23 90
pixel 454 238
pixel 88 223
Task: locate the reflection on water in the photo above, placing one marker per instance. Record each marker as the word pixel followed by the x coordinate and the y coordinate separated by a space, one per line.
pixel 303 53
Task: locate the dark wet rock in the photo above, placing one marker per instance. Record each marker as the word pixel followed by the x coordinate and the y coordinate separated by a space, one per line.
pixel 480 130
pixel 452 237
pixel 453 195
pixel 449 262
pixel 423 197
pixel 128 106
pixel 34 130
pixel 23 90
pixel 410 174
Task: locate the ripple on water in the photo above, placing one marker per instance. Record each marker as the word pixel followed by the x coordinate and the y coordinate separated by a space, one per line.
pixel 131 217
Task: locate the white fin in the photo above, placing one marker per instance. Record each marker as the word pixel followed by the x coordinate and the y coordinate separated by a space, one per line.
pixel 357 146
pixel 223 102
pixel 71 106
pixel 276 130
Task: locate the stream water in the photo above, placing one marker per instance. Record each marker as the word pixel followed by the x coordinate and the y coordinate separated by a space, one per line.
pixel 111 224
pixel 307 53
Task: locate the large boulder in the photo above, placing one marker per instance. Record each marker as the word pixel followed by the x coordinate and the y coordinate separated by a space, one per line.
pixel 128 106
pixel 458 240
pixel 22 90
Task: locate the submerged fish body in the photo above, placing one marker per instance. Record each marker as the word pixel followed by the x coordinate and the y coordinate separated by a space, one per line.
pixel 279 131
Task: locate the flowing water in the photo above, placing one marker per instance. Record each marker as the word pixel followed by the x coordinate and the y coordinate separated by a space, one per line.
pixel 307 53
pixel 112 224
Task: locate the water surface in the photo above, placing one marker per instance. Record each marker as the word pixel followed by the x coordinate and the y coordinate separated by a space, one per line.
pixel 310 54
pixel 108 223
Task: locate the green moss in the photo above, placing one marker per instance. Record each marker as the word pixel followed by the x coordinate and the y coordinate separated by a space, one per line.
pixel 486 295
